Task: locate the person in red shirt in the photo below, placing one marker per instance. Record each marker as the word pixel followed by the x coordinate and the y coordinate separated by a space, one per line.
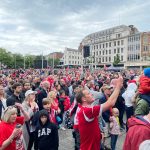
pixel 144 87
pixel 55 110
pixel 11 137
pixel 90 134
pixel 139 131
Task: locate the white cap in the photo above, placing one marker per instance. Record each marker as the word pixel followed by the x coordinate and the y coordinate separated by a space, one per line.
pixel 30 92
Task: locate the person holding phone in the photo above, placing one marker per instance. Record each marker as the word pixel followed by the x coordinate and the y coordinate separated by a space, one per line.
pixel 11 137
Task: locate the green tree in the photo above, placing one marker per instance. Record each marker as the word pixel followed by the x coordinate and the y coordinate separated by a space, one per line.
pixel 56 61
pixel 6 58
pixel 116 60
pixel 29 61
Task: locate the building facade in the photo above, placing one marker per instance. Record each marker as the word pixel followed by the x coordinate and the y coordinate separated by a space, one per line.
pixel 125 41
pixel 106 44
pixel 72 57
pixel 55 55
pixel 138 50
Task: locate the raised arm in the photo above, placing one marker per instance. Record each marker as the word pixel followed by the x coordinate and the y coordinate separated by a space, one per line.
pixel 25 114
pixel 113 98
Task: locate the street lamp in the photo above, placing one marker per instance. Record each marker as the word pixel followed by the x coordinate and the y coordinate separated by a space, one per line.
pixel 24 62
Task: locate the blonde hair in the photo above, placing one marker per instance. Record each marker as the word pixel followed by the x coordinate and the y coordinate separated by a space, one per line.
pixel 51 96
pixel 8 112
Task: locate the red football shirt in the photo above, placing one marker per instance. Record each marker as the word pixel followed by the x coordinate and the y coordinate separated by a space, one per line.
pixel 6 130
pixel 89 130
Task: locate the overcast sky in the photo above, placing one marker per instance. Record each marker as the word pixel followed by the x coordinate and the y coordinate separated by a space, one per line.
pixel 33 26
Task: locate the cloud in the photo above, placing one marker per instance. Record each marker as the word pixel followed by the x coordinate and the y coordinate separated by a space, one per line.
pixel 32 26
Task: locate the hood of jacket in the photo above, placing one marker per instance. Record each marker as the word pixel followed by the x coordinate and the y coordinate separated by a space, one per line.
pixel 44 113
pixel 139 120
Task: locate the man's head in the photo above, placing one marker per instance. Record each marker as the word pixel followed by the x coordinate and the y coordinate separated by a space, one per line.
pixel 26 85
pixel 45 85
pixel 62 81
pixel 17 88
pixel 10 84
pixel 107 90
pixel 84 97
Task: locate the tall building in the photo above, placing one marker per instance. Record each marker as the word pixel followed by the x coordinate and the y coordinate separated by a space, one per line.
pixel 125 41
pixel 72 57
pixel 138 50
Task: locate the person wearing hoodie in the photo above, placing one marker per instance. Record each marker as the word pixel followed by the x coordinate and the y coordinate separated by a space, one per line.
pixel 139 131
pixel 46 133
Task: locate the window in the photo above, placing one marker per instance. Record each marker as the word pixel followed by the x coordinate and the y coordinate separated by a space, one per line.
pixel 118 43
pixel 109 44
pixel 121 58
pixel 103 46
pixel 114 43
pixel 106 52
pixel 122 42
pixel 72 57
pixel 97 46
pixel 103 59
pixel 109 51
pixel 106 59
pixel 100 52
pixel 106 45
pixel 145 48
pixel 121 50
pixel 115 51
pixel 109 59
pixel 118 50
pixel 103 52
pixel 118 35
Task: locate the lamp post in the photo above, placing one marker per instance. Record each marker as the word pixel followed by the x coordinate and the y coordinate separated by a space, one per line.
pixel 42 59
pixel 53 61
pixel 24 62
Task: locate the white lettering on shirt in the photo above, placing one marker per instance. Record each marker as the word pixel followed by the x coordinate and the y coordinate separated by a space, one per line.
pixel 44 131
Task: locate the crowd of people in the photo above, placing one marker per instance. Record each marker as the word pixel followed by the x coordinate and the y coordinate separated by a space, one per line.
pixel 36 103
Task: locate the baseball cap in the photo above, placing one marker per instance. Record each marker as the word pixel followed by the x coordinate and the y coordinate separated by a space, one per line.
pixel 106 87
pixel 30 92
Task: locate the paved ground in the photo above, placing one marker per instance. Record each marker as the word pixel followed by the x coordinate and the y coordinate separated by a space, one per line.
pixel 67 142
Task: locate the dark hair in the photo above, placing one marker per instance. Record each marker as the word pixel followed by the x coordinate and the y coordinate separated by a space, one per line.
pixel 79 96
pixel 26 81
pixel 61 92
pixel 15 85
pixel 11 82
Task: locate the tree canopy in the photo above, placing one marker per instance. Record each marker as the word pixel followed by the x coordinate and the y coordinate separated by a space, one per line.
pixel 16 60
